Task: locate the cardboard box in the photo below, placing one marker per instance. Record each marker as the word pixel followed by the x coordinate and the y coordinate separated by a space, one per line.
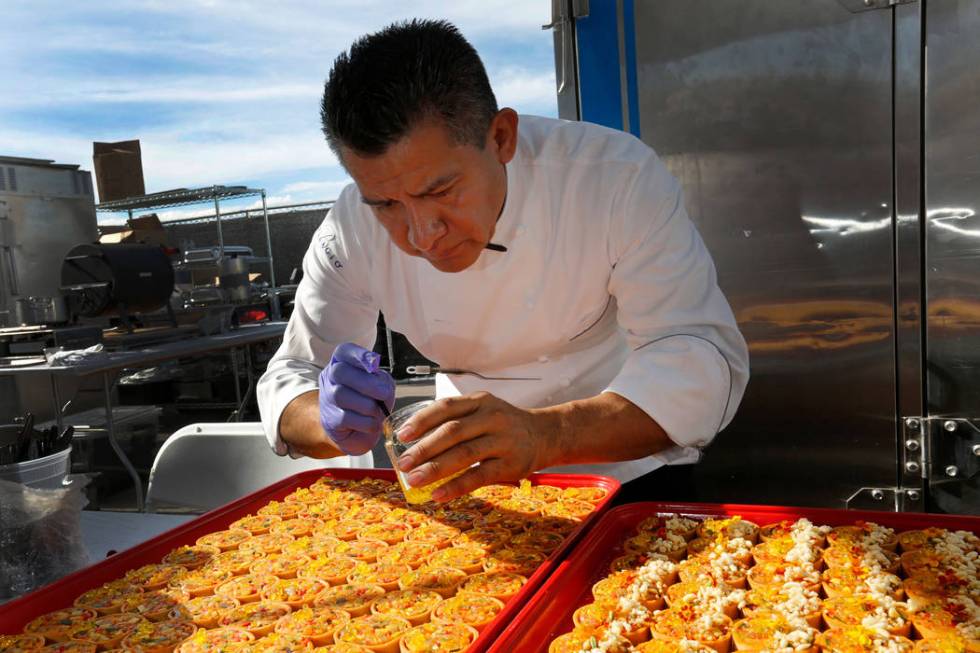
pixel 118 170
pixel 145 229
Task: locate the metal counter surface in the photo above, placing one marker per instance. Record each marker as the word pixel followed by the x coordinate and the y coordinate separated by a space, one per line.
pixel 105 531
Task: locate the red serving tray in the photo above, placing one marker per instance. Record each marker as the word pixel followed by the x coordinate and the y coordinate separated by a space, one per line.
pixel 549 613
pixel 59 594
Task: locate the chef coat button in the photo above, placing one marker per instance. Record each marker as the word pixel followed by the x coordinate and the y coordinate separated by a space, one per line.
pixel 543 359
pixel 566 382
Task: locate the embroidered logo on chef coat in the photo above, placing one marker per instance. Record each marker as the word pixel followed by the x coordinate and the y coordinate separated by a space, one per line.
pixel 327 242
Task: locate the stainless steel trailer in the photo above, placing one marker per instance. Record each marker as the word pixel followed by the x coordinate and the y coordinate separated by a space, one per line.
pixel 833 170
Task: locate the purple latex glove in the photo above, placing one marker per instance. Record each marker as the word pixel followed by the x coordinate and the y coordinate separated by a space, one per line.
pixel 351 387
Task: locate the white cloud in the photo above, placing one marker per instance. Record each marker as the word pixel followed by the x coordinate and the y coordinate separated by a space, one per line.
pixel 326 189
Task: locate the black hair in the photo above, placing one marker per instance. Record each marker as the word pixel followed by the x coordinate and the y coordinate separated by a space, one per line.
pixel 392 80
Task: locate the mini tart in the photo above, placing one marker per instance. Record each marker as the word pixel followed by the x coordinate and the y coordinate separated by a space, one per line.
pixel 363 550
pixel 322 511
pixel 202 581
pixel 760 632
pixel 237 561
pixel 728 528
pixel 592 495
pixel 294 592
pixel 414 605
pixel 57 626
pixel 461 519
pixel 777 549
pixel 597 616
pixel 346 529
pixel 544 541
pixel 784 530
pixel 154 576
pixel 316 625
pixel 476 610
pixel 503 519
pixel 519 561
pixel 776 574
pixel 861 640
pixel 674 547
pixel 808 607
pixel 931 588
pixel 437 638
pixel 585 640
pixel 256 524
pixel 156 605
pixel 947 644
pixel 161 637
pixel 633 561
pixel 216 640
pixel 245 589
pixel 560 525
pixel 501 585
pixel 616 586
pixel 714 632
pixel 942 619
pixel 267 543
pixel 281 509
pixel 191 557
pixel 470 502
pixel 488 538
pixel 850 611
pixel 204 611
pixel 668 646
pixel 276 643
pixel 378 632
pixel 412 518
pixel 923 562
pixel 108 630
pixel 435 533
pixel 69 647
pixel 385 574
pixel 569 509
pixel 494 493
pixel 108 598
pixel 332 569
pixel 303 495
pixel 836 557
pixel 225 540
pixel 387 532
pixel 258 618
pixel 443 580
pixel 551 494
pixel 283 565
pixel 689 593
pixel 694 569
pixel 355 599
pixel 863 533
pixel 843 581
pixel 298 527
pixel 467 558
pixel 317 544
pixel 22 643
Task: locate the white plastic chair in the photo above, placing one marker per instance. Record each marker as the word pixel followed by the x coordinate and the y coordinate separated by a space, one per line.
pixel 203 466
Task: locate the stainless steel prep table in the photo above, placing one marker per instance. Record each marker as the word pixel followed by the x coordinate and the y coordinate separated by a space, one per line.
pixel 110 364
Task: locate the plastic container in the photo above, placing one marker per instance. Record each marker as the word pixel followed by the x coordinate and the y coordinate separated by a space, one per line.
pixel 396 448
pixel 549 613
pixel 48 472
pixel 61 593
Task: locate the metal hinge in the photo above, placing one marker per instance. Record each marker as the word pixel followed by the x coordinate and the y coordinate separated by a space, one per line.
pixel 856 6
pixel 896 499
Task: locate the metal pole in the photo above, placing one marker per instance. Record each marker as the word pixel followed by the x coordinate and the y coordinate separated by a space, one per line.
pixel 217 221
pixel 111 433
pixel 58 417
pixel 274 295
pixel 238 388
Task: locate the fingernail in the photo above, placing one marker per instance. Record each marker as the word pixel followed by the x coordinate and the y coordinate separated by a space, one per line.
pixel 371 361
pixel 415 478
pixel 405 463
pixel 404 432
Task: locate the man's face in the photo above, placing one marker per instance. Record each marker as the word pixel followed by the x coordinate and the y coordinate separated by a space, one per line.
pixel 437 199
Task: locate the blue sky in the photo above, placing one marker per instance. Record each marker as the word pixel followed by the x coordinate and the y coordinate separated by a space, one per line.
pixel 225 91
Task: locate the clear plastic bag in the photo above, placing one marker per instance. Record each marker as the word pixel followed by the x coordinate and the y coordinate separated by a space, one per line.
pixel 40 534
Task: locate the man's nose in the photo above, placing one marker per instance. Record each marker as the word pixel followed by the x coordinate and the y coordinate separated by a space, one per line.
pixel 424 229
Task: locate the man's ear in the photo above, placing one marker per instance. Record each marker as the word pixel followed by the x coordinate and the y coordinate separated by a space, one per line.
pixel 502 138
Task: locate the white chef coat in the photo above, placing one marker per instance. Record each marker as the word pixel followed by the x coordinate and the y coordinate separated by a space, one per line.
pixel 605 286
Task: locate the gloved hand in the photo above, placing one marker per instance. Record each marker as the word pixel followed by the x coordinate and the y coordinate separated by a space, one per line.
pixel 350 387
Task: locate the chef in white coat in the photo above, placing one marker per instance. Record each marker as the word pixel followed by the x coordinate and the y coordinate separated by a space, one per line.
pixel 554 257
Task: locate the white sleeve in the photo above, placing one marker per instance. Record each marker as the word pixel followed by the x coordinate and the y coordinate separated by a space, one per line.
pixel 689 366
pixel 328 310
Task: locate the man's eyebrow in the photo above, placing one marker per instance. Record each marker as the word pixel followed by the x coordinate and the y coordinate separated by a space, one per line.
pixel 441 181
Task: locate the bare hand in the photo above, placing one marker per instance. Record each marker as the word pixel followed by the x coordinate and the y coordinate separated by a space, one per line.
pixel 508 443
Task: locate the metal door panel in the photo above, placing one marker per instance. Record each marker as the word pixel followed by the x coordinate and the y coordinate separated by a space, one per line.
pixel 952 198
pixel 776 117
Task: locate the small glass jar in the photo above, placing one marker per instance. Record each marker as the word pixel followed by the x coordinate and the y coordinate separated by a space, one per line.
pixel 396 448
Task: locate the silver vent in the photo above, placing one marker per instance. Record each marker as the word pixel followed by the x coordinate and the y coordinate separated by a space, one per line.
pixel 12 176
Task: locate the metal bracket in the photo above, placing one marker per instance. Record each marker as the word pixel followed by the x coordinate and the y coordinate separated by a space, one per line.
pixel 563 13
pixel 896 499
pixel 857 6
pixel 954 445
